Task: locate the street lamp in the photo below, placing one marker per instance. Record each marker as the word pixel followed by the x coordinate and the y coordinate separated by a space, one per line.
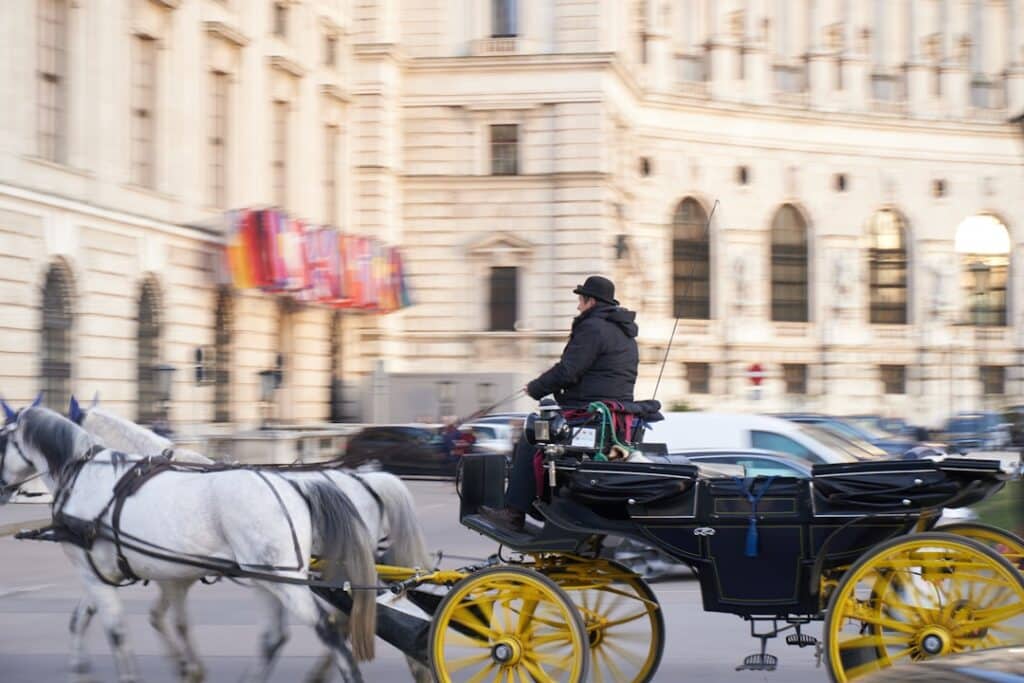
pixel 163 376
pixel 980 270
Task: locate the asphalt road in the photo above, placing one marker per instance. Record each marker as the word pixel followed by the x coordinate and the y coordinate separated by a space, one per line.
pixel 38 590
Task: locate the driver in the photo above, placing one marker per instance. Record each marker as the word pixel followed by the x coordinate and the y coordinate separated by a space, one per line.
pixel 599 363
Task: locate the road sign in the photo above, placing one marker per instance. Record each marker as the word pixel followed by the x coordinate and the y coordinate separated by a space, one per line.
pixel 755 373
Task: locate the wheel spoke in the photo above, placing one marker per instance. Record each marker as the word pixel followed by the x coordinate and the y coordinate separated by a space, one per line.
pixel 874 665
pixel 472 623
pixel 873 641
pixel 526 616
pixel 470 660
pixel 480 675
pixel 617 674
pixel 631 657
pixel 625 620
pixel 539 676
pixel 991 618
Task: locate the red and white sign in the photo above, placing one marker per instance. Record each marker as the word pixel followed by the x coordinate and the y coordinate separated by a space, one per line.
pixel 755 373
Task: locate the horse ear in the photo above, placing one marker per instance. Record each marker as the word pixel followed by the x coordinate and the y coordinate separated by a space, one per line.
pixel 38 402
pixel 95 400
pixel 9 415
pixel 75 411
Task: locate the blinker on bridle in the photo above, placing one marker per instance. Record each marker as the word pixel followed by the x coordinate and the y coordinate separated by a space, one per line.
pixel 5 436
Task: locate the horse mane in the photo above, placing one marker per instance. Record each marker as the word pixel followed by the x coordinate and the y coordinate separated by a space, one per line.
pixel 114 429
pixel 57 439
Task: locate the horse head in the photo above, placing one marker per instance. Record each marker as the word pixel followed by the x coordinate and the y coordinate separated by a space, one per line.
pixel 15 467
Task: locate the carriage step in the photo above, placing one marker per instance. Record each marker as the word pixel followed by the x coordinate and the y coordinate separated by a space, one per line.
pixel 759 662
pixel 801 640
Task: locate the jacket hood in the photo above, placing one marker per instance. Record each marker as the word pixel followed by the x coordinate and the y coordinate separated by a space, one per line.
pixel 624 318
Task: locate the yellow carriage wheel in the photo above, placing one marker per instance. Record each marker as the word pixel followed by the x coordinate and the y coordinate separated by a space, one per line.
pixel 919 597
pixel 1007 544
pixel 624 622
pixel 508 625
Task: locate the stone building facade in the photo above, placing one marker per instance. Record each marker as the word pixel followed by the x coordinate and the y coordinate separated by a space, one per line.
pixel 857 160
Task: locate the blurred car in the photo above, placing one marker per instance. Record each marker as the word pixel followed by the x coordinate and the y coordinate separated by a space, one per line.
pixel 402 449
pixel 1013 417
pixel 855 429
pixel 492 437
pixel 892 425
pixel 998 665
pixel 976 431
pixel 689 431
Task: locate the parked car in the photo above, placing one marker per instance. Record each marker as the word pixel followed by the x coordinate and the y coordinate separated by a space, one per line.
pixel 492 437
pixel 402 449
pixel 892 425
pixel 1013 417
pixel 688 431
pixel 854 429
pixel 976 431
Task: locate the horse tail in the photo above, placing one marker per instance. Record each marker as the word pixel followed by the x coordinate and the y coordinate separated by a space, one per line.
pixel 408 546
pixel 344 541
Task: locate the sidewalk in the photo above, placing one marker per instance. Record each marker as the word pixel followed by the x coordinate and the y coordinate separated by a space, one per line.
pixel 17 516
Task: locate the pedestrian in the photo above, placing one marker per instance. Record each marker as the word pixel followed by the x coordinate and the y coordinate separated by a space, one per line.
pixel 599 363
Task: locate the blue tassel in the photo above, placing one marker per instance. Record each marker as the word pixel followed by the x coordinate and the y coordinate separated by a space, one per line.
pixel 752 537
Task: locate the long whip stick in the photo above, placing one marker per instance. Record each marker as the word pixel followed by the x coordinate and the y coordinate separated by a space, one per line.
pixel 686 290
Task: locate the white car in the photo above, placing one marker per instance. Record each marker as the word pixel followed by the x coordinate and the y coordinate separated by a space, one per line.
pixel 696 430
pixel 495 435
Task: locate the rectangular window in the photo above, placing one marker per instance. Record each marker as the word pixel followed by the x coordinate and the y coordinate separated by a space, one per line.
pixel 698 376
pixel 894 378
pixel 331 137
pixel 218 140
pixel 280 154
pixel 331 50
pixel 505 150
pixel 143 123
pixel 504 303
pixel 279 12
pixel 503 18
pixel 51 107
pixel 795 376
pixel 993 380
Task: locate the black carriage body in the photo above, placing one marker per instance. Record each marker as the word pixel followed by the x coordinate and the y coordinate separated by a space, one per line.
pixel 771 567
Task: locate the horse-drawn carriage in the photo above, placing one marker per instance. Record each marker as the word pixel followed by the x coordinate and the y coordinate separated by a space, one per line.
pixel 854 546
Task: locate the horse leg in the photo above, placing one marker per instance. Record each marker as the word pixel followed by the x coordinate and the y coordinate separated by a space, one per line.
pixel 303 606
pixel 156 619
pixel 274 635
pixel 190 668
pixel 193 670
pixel 111 613
pixel 80 666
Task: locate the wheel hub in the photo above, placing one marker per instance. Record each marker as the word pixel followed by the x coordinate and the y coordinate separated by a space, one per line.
pixel 507 652
pixel 935 641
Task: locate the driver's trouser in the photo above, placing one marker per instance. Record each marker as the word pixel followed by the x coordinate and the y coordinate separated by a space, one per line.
pixel 522 481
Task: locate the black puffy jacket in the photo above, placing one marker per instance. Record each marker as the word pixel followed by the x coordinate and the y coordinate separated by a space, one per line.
pixel 599 362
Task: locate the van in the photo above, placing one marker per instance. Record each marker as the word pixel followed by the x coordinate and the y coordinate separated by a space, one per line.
pixel 693 430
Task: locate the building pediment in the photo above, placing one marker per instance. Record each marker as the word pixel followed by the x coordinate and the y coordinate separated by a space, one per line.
pixel 499 243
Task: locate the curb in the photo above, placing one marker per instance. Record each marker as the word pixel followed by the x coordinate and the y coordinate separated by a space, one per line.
pixel 15 527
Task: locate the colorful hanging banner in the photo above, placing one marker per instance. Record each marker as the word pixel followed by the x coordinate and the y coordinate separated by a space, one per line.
pixel 267 250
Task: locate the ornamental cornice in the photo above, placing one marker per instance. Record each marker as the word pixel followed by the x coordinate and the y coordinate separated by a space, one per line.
pixel 223 31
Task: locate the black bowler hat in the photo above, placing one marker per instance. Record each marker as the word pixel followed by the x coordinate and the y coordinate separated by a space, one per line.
pixel 597 287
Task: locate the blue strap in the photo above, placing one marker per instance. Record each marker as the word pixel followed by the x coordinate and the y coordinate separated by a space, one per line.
pixel 746 487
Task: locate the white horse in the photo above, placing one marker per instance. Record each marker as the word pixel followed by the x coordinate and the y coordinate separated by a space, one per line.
pixel 385 502
pixel 239 521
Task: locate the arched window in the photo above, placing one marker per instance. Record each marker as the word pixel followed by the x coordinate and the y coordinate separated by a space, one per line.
pixel 789 266
pixel 336 394
pixel 148 356
pixel 887 263
pixel 691 262
pixel 983 245
pixel 55 367
pixel 224 327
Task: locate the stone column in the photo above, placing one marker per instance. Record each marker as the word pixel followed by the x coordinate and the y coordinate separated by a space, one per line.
pixel 1015 58
pixel 855 66
pixel 722 52
pixel 659 48
pixel 917 70
pixel 756 68
pixel 954 68
pixel 821 63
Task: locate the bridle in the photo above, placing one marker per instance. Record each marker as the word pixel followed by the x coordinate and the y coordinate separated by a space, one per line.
pixel 5 437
